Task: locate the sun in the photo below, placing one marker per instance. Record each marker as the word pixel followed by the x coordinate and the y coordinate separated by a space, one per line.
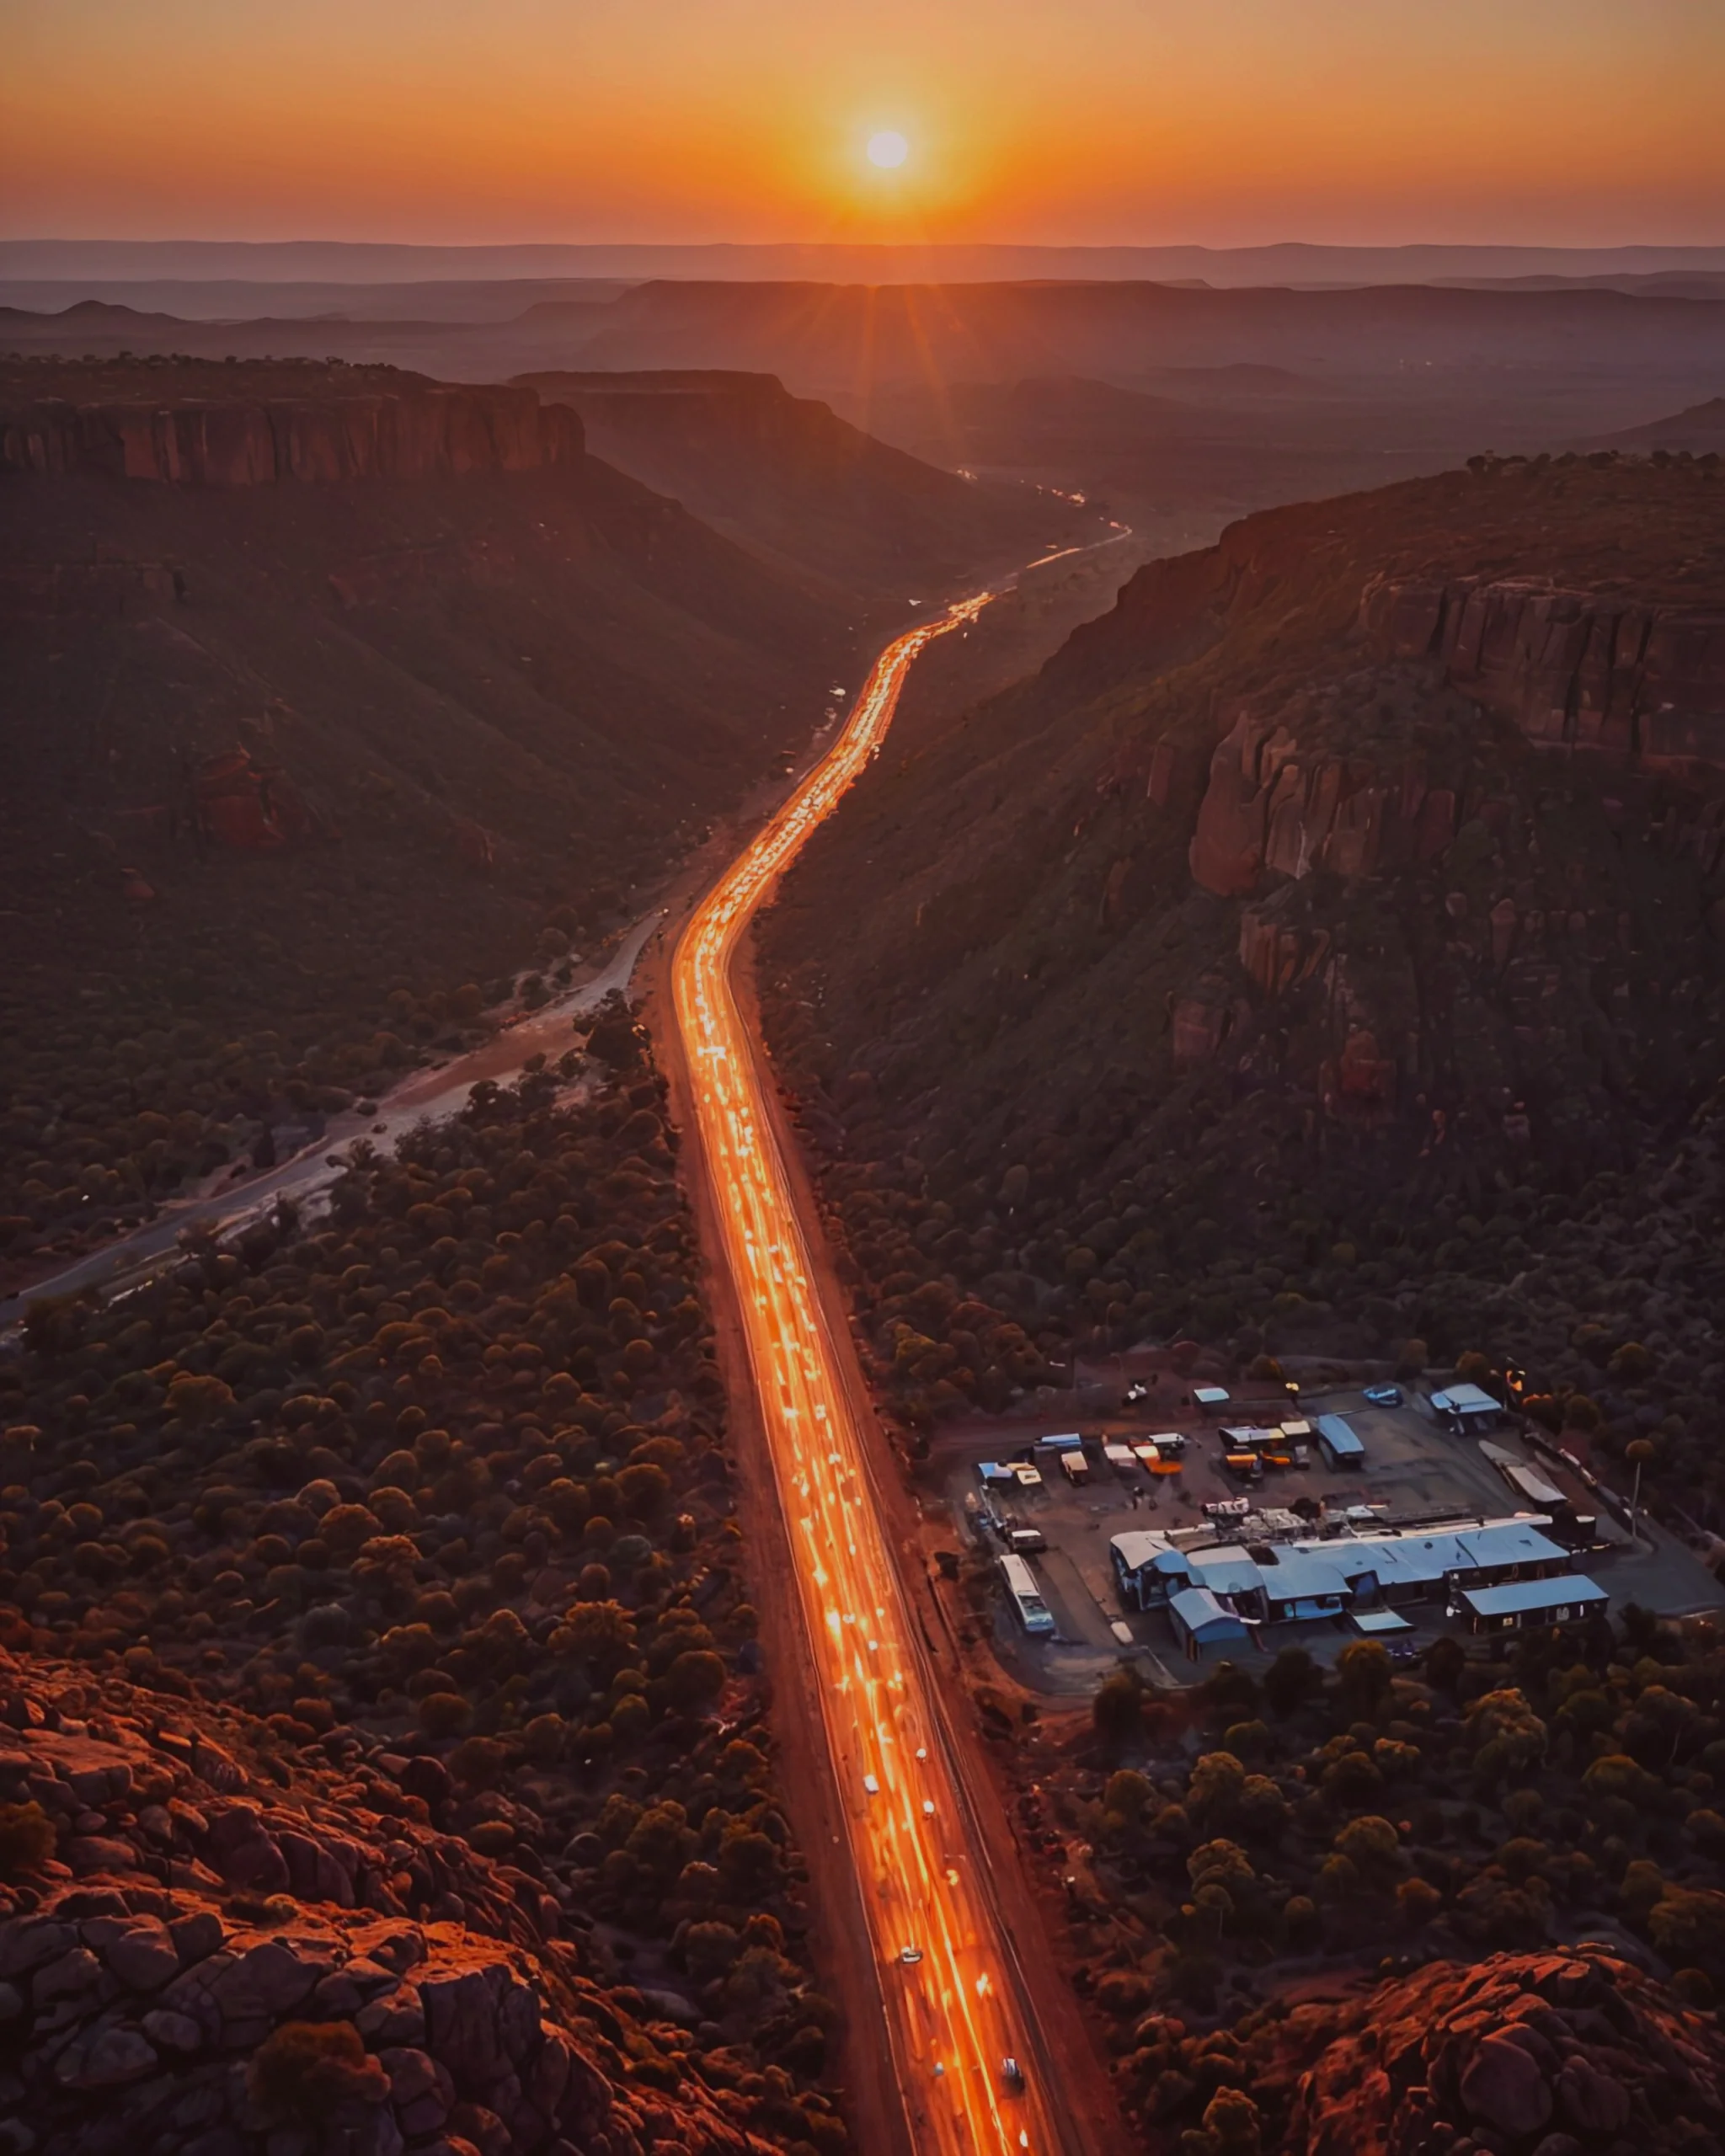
pixel 888 150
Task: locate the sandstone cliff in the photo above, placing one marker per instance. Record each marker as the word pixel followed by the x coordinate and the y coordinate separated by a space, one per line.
pixel 1571 669
pixel 786 475
pixel 418 431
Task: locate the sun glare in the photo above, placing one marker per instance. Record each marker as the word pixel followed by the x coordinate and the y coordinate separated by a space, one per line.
pixel 888 150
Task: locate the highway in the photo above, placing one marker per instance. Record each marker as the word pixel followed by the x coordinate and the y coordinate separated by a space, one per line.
pixel 952 1990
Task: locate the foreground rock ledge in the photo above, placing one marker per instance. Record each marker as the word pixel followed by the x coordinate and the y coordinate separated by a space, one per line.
pixel 148 1972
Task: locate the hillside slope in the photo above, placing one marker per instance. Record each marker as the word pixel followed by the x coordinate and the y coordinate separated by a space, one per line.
pixel 787 477
pixel 1699 430
pixel 384 1759
pixel 1321 948
pixel 324 685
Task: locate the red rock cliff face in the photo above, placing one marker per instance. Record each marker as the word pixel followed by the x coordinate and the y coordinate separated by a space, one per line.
pixel 385 435
pixel 1272 805
pixel 1572 670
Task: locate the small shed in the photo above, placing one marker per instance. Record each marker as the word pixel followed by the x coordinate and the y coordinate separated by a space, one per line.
pixel 1209 1399
pixel 1147 1568
pixel 1341 1443
pixel 1468 1407
pixel 1520 1605
pixel 1201 1625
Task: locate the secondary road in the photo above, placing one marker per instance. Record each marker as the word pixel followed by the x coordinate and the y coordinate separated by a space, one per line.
pixel 423 1096
pixel 955 2002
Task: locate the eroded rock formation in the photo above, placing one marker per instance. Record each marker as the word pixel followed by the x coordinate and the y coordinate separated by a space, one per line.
pixel 1572 669
pixel 1523 2055
pixel 222 1959
pixel 420 433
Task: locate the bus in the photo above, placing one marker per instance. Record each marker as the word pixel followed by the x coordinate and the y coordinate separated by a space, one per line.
pixel 1033 1613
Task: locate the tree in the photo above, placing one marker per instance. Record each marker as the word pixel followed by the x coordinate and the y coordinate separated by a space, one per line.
pixel 1351 1779
pixel 1418 1901
pixel 1364 1672
pixel 1217 1784
pixel 1118 1708
pixel 1291 1680
pixel 1510 1737
pixel 695 1680
pixel 1371 1844
pixel 198 1399
pixel 600 1634
pixel 1125 1796
pixel 1445 1659
pixel 1221 1864
pixel 1688 1927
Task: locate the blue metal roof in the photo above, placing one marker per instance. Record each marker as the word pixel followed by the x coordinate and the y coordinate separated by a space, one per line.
pixel 1340 1435
pixel 1516 1597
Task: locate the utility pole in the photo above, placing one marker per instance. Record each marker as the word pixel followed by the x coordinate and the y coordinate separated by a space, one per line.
pixel 1641 1452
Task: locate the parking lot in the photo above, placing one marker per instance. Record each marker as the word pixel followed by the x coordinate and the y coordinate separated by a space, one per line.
pixel 1414 1471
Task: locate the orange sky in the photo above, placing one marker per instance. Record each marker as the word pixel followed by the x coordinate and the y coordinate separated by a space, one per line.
pixel 1224 121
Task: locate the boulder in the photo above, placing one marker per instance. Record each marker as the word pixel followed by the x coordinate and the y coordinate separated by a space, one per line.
pixel 1537 2054
pixel 143 1957
pixel 1503 2088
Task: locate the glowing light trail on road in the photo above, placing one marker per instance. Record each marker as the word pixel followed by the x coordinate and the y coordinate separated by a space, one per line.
pixel 950 2013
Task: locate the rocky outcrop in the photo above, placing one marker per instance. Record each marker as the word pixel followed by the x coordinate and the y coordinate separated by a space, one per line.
pixel 1273 805
pixel 1570 2054
pixel 425 433
pixel 1571 669
pixel 223 1960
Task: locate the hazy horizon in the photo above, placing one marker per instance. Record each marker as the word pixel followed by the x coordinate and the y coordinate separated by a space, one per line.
pixel 748 121
pixel 97 265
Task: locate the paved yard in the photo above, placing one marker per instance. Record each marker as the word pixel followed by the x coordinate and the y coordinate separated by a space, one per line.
pixel 1414 1470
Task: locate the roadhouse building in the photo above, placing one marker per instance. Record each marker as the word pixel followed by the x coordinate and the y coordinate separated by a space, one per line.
pixel 1283 1583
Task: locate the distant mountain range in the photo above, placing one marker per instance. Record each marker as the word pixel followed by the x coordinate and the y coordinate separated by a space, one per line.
pixel 93 262
pixel 823 339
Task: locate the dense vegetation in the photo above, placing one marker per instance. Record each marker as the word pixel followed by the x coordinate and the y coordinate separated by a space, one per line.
pixel 1377 1819
pixel 1467 1096
pixel 446 1472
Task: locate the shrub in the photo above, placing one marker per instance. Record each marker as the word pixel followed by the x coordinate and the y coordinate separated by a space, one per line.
pixel 307 2071
pixel 1232 2127
pixel 27 1840
pixel 444 1714
pixel 1418 1901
